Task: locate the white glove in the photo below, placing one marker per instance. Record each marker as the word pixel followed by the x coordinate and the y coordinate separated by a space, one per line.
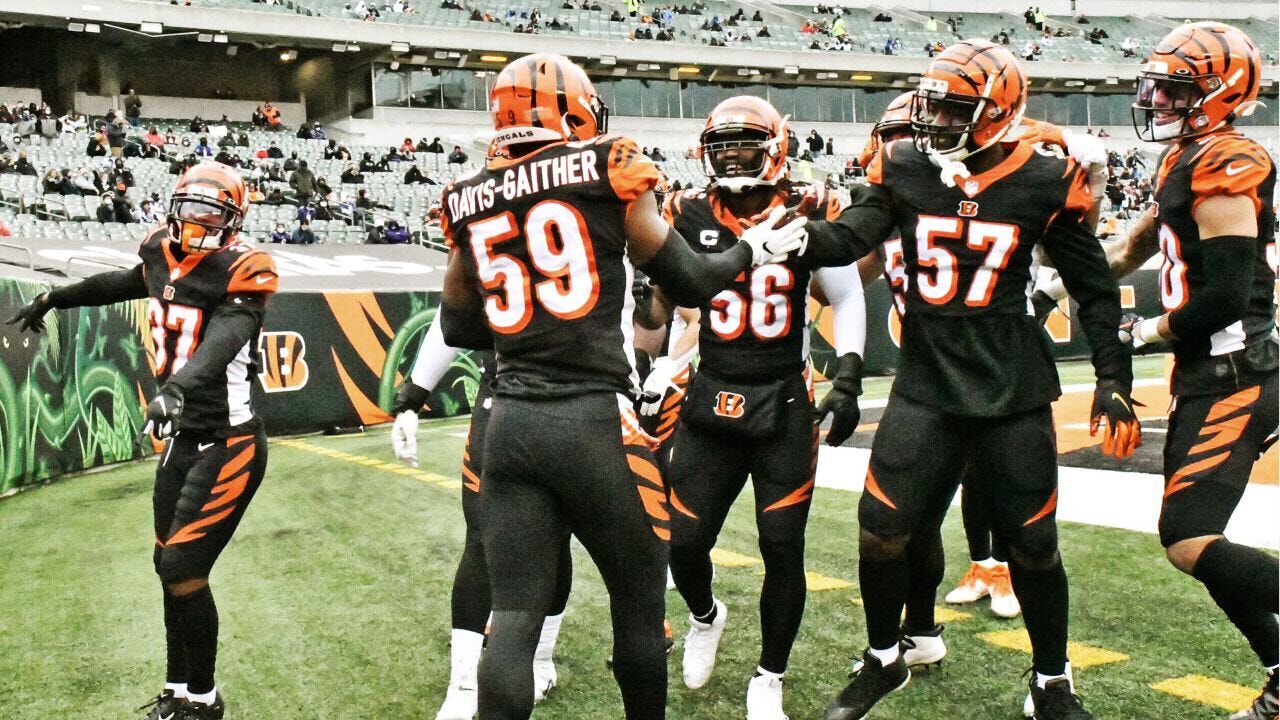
pixel 658 383
pixel 1086 149
pixel 772 244
pixel 404 438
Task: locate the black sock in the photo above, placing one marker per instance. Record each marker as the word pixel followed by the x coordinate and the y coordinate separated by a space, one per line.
pixel 1244 582
pixel 926 564
pixel 1044 598
pixel 199 618
pixel 175 648
pixel 692 572
pixel 884 585
pixel 469 604
pixel 977 522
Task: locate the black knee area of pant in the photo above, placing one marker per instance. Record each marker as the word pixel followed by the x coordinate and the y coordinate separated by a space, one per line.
pixel 1035 547
pixel 881 547
pixel 506 667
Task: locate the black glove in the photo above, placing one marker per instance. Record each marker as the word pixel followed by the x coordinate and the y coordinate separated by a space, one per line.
pixel 1043 305
pixel 31 316
pixel 409 397
pixel 1122 434
pixel 841 401
pixel 163 413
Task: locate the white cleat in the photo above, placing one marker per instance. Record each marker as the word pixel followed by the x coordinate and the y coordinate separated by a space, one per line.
pixel 1004 602
pixel 700 646
pixel 764 698
pixel 460 703
pixel 924 649
pixel 975 585
pixel 1029 706
pixel 544 679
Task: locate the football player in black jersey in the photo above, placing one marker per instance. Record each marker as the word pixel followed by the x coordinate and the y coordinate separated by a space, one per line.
pixel 1213 222
pixel 469 600
pixel 207 294
pixel 544 237
pixel 976 375
pixel 748 411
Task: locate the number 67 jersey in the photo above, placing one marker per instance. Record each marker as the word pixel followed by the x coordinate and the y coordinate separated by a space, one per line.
pixel 544 235
pixel 970 345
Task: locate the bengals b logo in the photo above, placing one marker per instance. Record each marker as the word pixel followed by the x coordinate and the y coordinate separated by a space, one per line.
pixel 730 404
pixel 283 366
pixel 968 208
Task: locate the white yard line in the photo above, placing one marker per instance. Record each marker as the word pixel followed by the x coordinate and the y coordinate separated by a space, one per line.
pixel 1125 500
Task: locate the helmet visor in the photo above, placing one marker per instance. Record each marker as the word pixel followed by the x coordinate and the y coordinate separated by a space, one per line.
pixel 1162 105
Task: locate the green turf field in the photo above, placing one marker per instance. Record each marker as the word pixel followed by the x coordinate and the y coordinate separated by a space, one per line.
pixel 335 604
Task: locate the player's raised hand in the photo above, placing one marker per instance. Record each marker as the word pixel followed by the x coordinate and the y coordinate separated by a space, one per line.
pixel 31 316
pixel 404 433
pixel 771 243
pixel 1112 412
pixel 163 413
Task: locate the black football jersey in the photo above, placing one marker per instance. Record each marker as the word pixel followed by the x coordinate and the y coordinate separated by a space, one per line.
pixel 757 328
pixel 1242 353
pixel 970 345
pixel 183 296
pixel 544 235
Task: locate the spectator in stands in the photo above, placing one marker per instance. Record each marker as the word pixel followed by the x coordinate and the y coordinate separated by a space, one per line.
pixel 242 140
pixel 883 17
pixel 116 132
pixel 395 233
pixel 179 166
pixel 4 229
pixel 814 141
pixel 24 166
pixel 276 197
pixel 1028 51
pixel 292 163
pixel 303 182
pixel 1102 133
pixel 323 210
pixel 367 164
pixel 258 119
pixel 306 213
pixel 280 234
pixel 351 175
pixel 198 125
pixel 133 108
pixel 52 182
pixel 224 156
pixel 757 17
pixel 656 155
pixel 255 192
pixel 331 150
pixel 1130 47
pixel 144 214
pixel 304 132
pixel 368 204
pixel 272 114
pixel 302 235
pixel 837 28
pixel 153 137
pixel 317 132
pixel 764 32
pixel 457 157
pixel 415 176
pixel 203 149
pixel 406 148
pixel 6 165
pixel 830 147
pixel 888 45
pixel 615 16
pixel 120 174
pixel 105 212
pixel 274 152
pixel 227 141
pixel 86 182
pixel 375 236
pixel 6 115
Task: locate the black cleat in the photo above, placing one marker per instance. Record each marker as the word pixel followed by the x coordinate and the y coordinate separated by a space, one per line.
pixel 199 711
pixel 1265 706
pixel 1057 701
pixel 164 706
pixel 871 682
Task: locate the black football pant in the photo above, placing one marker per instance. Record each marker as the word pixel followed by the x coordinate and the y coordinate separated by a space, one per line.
pixel 1209 452
pixel 917 458
pixel 576 465
pixel 708 471
pixel 470 603
pixel 203 486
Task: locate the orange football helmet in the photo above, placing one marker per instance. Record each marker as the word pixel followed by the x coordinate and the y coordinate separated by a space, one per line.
pixel 969 98
pixel 894 124
pixel 744 144
pixel 1200 77
pixel 207 207
pixel 542 98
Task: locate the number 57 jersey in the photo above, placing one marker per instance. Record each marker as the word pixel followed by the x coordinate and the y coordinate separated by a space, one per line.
pixel 970 345
pixel 544 236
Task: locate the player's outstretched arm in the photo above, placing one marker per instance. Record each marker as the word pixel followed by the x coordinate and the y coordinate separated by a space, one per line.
pixel 101 289
pixel 865 223
pixel 690 278
pixel 462 319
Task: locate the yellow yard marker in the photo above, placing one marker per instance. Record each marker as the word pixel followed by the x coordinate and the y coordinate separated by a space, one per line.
pixel 1081 655
pixel 1209 691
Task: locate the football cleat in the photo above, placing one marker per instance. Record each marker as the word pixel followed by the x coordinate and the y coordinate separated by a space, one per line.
pixel 871 682
pixel 700 646
pixel 164 706
pixel 923 649
pixel 975 585
pixel 764 698
pixel 460 703
pixel 544 678
pixel 1003 600
pixel 1028 705
pixel 1057 700
pixel 1265 706
pixel 194 710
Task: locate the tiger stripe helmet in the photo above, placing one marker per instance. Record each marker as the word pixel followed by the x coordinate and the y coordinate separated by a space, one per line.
pixel 744 144
pixel 544 97
pixel 1200 77
pixel 893 124
pixel 207 208
pixel 973 93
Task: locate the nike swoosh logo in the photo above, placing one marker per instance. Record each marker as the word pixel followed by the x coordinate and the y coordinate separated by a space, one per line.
pixel 1236 169
pixel 264 279
pixel 204 446
pixel 1122 401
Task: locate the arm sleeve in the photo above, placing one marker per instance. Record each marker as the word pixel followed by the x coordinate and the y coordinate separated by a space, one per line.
pixel 433 359
pixel 864 224
pixel 234 324
pixel 101 289
pixel 691 279
pixel 1228 262
pixel 843 288
pixel 1083 267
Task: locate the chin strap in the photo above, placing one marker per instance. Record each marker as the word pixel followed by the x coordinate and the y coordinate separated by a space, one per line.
pixel 951 171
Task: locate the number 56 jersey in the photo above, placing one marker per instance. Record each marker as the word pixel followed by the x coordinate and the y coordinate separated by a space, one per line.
pixel 970 345
pixel 544 236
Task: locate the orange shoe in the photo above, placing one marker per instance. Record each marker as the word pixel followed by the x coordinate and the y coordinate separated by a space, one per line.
pixel 1003 600
pixel 975 585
